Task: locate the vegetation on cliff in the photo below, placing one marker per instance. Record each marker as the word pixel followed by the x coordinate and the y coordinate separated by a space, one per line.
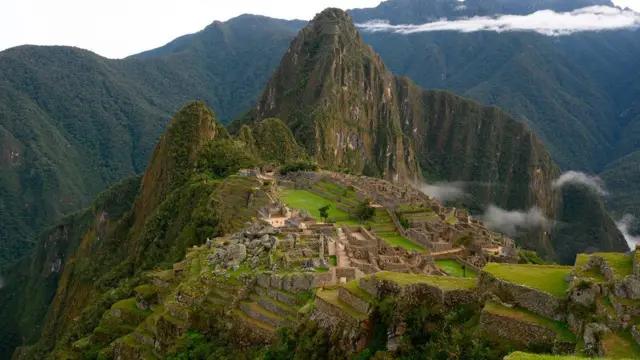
pixel 72 123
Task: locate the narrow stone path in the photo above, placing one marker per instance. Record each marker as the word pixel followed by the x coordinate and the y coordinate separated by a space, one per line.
pixel 343 259
pixel 452 251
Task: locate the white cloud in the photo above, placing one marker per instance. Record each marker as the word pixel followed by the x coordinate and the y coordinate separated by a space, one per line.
pixel 624 225
pixel 119 28
pixel 578 178
pixel 546 22
pixel 514 223
pixel 444 191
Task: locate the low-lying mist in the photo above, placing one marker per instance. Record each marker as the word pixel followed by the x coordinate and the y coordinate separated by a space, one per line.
pixel 624 225
pixel 514 223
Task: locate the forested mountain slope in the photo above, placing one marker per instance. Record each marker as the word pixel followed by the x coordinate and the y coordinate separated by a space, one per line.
pixel 72 122
pixel 577 92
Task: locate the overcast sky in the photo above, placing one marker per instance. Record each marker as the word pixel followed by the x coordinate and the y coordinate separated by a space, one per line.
pixel 118 28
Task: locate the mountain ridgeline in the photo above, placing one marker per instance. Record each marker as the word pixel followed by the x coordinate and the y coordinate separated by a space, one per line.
pixel 351 113
pixel 332 101
pixel 579 93
pixel 72 123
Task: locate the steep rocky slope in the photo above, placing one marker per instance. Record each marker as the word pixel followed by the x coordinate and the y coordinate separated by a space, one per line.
pixel 89 260
pixel 349 111
pixel 576 92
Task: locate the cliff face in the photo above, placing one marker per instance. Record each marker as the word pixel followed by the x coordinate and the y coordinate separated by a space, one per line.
pixel 337 97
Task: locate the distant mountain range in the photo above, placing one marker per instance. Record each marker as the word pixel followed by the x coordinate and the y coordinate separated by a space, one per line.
pixel 72 123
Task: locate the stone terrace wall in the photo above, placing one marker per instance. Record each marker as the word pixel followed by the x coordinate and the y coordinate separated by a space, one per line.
pixel 536 301
pixel 508 328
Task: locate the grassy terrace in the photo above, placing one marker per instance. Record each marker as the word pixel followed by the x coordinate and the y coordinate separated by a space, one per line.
pixel 620 263
pixel 548 278
pixel 354 288
pixel 443 282
pixel 525 356
pixel 561 329
pixel 331 297
pixel 453 268
pixel 401 241
pixel 594 274
pixel 306 200
pixel 620 345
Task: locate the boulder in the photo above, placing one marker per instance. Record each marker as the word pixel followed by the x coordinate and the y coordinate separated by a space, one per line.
pixel 234 255
pixel 254 262
pixel 254 244
pixel 585 296
pixel 267 230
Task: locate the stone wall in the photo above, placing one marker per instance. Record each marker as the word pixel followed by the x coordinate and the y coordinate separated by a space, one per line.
pixel 511 329
pixel 355 302
pixel 536 301
pixel 336 312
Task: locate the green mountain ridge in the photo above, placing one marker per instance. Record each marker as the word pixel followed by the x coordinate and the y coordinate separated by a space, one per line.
pixel 577 92
pixel 72 122
pixel 188 194
pixel 349 112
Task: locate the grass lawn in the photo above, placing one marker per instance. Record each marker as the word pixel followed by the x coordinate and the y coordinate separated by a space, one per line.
pixel 583 259
pixel 561 329
pixel 306 200
pixel 546 278
pixel 455 269
pixel 443 282
pixel 402 242
pixel 333 260
pixel 620 263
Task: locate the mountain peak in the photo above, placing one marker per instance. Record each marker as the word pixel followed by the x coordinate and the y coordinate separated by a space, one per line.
pixel 175 154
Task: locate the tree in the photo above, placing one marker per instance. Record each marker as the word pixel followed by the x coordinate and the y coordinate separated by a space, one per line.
pixel 324 212
pixel 364 211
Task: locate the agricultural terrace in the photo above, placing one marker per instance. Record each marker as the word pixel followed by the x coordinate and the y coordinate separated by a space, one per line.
pixel 621 264
pixel 559 328
pixel 452 267
pixel 311 202
pixel 443 282
pixel 594 274
pixel 549 278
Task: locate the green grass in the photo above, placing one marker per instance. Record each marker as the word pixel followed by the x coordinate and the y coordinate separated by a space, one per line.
pixel 526 356
pixel 594 274
pixel 620 345
pixel 561 329
pixel 548 278
pixel 128 304
pixel 354 288
pixel 331 296
pixel 147 291
pixel 306 200
pixel 453 268
pixel 402 242
pixel 443 282
pixel 452 220
pixel 621 264
pixel 333 260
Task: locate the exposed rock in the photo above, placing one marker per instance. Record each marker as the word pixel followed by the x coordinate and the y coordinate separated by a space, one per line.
pixel 585 296
pixel 254 262
pixel 268 230
pixel 229 256
pixel 591 337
